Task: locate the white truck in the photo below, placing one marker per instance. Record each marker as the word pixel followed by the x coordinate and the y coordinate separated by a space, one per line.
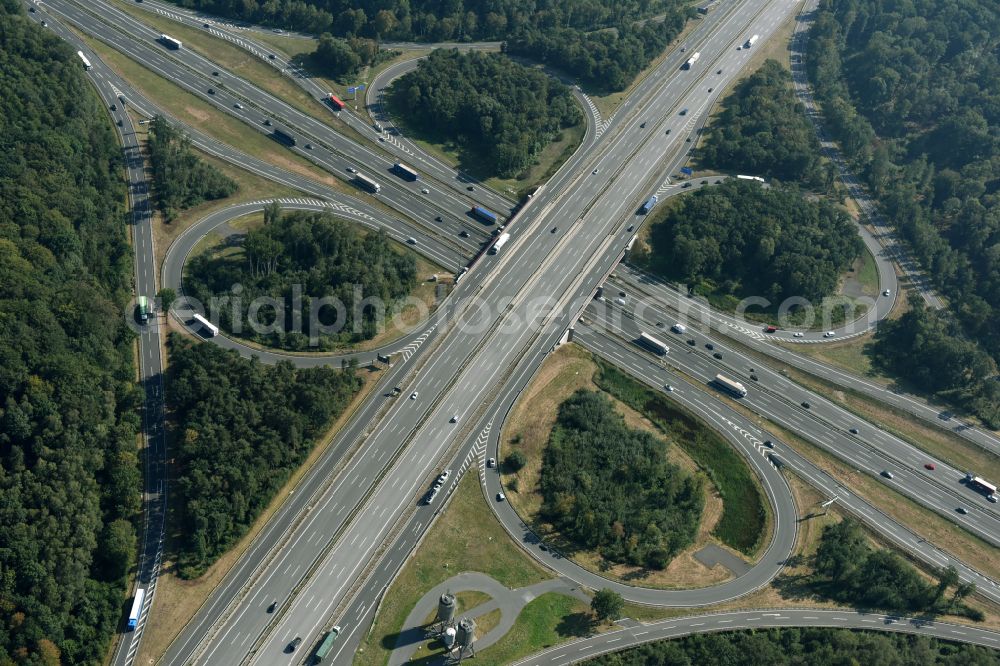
pixel 500 242
pixel 750 42
pixel 692 60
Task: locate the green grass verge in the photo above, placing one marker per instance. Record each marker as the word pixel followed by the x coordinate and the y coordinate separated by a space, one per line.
pixel 743 524
pixel 465 538
pixel 550 619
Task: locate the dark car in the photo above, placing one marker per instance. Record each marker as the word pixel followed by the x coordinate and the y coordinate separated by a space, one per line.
pixel 211 91
pixel 668 131
pixel 719 72
pixel 692 343
pixel 753 377
pixel 267 122
pixel 271 56
pixel 471 188
pixel 853 431
pixel 630 227
pixel 642 125
pixel 717 355
pixel 686 184
pixel 684 112
pixel 806 404
pixel 709 346
pixel 463 233
pixel 297 641
pixel 273 606
pixel 769 444
pixel 553 230
pixel 215 73
pixel 962 510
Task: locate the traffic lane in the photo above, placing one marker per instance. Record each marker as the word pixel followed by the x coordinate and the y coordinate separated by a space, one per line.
pixel 614 641
pixel 623 353
pixel 925 489
pixel 669 299
pixel 167 64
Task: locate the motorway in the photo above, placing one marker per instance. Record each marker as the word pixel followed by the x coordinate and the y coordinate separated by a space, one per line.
pixel 320 555
pixel 776 398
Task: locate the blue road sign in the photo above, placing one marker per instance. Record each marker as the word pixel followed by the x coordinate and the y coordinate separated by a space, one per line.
pixel 357 88
pixel 686 171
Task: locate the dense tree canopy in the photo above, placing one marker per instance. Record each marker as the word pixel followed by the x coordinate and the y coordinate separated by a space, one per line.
pixel 755 241
pixel 503 112
pixel 603 42
pixel 763 130
pixel 70 411
pixel 927 349
pixel 912 91
pixel 804 646
pixel 181 180
pixel 609 488
pixel 242 428
pixel 317 256
pixel 850 571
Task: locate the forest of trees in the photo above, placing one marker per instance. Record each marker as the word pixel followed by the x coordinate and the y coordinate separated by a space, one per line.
pixel 603 42
pixel 70 410
pixel 242 428
pixel 180 179
pixel 609 488
pixel 754 241
pixel 850 571
pixel 805 646
pixel 926 349
pixel 763 130
pixel 314 255
pixel 912 92
pixel 500 111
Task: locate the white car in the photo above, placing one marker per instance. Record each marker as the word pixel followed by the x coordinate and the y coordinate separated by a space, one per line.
pixel 829 334
pixel 413 396
pixel 669 388
pixel 798 334
pixel 425 191
pixel 501 497
pixel 444 476
pixel 491 463
pixel 886 292
pixel 620 301
pixel 237 106
pixel 351 170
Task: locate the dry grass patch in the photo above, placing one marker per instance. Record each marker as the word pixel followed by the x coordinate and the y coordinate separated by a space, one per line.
pixel 528 429
pixel 465 537
pixel 488 622
pixel 177 600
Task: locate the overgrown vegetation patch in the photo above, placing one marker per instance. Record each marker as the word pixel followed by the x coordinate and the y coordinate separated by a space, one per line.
pixel 610 489
pixel 743 524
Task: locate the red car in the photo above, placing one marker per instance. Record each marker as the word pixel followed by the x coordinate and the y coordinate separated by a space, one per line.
pixel 929 466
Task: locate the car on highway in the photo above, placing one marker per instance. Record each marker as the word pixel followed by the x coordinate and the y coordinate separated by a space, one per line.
pixel 351 170
pixel 754 377
pixel 829 334
pixel 717 355
pixel 297 641
pixel 991 498
pixel 797 334
pixel 768 443
pixel 630 227
pixel 853 431
pixel 471 188
pixel 887 474
pixel 709 346
pixel 719 72
pixel 413 396
pixel 211 91
pixel 267 122
pixel 444 476
pixel 686 185
pixel 553 230
pixel 491 463
pixel 929 466
pixel 271 56
pixel 237 106
pixel 642 125
pixel 215 73
pixel 683 49
pixel 668 131
pixel 806 404
pixel 501 497
pixel 594 172
pixel 670 389
pixel 692 343
pixel 273 607
pixel 710 89
pixel 463 233
pixel 684 112
pixel 424 190
pixel 620 301
pixel 454 418
pixel 962 510
pixel 411 240
pixel 886 292
pixel 205 25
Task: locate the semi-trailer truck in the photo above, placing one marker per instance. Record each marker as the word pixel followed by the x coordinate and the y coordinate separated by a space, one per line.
pixel 500 242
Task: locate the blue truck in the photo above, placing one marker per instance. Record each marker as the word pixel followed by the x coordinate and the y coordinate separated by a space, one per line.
pixel 648 206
